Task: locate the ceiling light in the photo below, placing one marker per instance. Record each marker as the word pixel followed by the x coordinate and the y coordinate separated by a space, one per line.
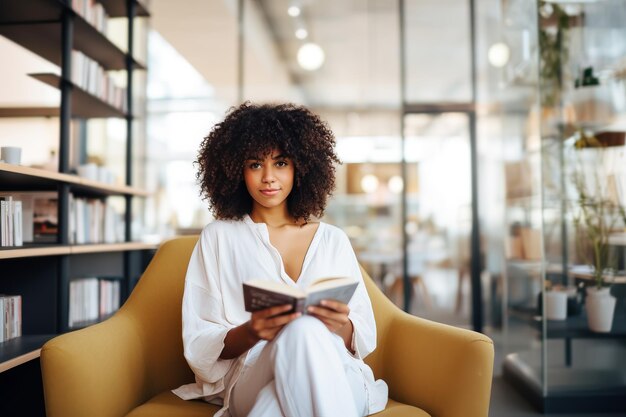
pixel 395 184
pixel 302 33
pixel 369 183
pixel 311 56
pixel 293 11
pixel 499 54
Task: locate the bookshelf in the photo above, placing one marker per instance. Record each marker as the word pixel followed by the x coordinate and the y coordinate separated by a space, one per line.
pixel 41 273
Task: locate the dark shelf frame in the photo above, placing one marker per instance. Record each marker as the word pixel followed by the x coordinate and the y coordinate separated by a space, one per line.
pixel 117 8
pixel 84 104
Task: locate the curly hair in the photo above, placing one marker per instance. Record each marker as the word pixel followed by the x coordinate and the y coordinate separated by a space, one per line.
pixel 253 131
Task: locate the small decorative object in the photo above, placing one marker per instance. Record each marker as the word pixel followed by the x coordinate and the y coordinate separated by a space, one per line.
pixel 11 154
pixel 588 79
pixel 556 304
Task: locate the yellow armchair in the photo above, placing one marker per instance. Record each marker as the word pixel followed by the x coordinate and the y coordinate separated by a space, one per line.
pixel 127 365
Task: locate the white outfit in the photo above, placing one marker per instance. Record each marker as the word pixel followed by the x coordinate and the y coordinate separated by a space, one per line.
pixel 232 252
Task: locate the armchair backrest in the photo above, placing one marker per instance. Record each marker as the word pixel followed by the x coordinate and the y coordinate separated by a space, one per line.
pixel 155 304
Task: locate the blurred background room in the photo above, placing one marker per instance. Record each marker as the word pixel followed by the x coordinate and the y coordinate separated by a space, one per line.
pixel 482 149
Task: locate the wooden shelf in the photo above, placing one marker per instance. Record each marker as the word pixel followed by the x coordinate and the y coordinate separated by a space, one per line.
pixel 29 112
pixel 20 350
pixel 117 8
pixel 33 249
pixel 84 104
pixel 111 247
pixel 36 25
pixel 22 178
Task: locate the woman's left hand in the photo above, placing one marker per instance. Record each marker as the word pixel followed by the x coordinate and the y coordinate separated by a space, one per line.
pixel 332 313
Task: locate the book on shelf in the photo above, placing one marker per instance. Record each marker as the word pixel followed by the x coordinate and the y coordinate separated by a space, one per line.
pixel 83 301
pixel 92 299
pixel 109 297
pixel 93 78
pixel 93 12
pixel 94 221
pixel 11 225
pixel 260 294
pixel 10 317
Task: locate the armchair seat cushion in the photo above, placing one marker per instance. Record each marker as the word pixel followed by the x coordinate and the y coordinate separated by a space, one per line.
pixel 166 404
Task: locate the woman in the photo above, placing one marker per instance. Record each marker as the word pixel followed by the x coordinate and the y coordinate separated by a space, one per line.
pixel 267 171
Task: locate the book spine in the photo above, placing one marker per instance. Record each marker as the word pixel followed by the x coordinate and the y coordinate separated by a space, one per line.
pixel 298 305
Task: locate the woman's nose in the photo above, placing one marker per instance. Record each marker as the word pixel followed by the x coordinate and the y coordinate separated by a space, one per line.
pixel 268 175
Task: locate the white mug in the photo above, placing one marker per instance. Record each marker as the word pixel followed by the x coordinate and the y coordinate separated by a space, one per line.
pixel 88 171
pixel 11 154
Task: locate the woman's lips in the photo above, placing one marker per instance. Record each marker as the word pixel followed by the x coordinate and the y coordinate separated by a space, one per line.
pixel 269 193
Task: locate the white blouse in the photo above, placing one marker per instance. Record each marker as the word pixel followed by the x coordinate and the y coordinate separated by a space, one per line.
pixel 231 252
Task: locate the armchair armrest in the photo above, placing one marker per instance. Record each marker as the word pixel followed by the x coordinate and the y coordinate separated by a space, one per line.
pixel 110 368
pixel 446 371
pixel 97 371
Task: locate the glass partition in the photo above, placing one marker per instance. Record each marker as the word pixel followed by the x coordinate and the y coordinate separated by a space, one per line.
pixel 566 243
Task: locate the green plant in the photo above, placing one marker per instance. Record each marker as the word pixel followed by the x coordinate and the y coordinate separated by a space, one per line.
pixel 595 217
pixel 553 47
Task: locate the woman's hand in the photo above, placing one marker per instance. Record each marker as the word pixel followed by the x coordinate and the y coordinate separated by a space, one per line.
pixel 265 324
pixel 332 313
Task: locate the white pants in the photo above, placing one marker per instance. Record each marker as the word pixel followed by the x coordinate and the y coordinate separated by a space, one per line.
pixel 306 371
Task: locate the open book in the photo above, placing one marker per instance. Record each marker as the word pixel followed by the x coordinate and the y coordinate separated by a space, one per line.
pixel 259 294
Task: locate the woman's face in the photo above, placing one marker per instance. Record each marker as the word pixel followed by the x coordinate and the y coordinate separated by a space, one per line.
pixel 269 181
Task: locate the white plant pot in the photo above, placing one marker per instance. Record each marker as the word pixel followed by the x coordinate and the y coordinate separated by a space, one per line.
pixel 556 305
pixel 600 305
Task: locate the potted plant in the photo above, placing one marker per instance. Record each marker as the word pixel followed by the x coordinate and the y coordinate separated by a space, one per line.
pixel 596 215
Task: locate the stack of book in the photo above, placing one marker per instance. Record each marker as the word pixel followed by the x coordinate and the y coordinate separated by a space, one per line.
pixel 11 317
pixel 93 12
pixel 91 77
pixel 11 231
pixel 109 297
pixel 92 299
pixel 94 221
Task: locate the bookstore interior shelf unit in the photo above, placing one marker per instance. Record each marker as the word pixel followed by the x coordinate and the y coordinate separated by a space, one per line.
pixel 47 275
pixel 564 196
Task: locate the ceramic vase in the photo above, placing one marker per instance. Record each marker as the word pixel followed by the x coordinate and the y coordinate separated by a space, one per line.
pixel 600 306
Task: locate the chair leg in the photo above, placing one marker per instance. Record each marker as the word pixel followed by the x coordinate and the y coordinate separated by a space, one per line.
pixel 458 305
pixel 419 281
pixel 395 291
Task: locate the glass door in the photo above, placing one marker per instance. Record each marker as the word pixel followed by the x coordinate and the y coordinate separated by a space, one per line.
pixel 438 220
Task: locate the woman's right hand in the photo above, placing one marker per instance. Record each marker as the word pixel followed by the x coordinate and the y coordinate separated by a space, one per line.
pixel 265 324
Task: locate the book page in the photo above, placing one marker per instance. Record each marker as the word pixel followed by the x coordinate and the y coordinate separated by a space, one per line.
pixel 342 293
pixel 329 282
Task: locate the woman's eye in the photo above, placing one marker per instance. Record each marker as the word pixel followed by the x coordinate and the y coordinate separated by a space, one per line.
pixel 254 165
pixel 281 164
